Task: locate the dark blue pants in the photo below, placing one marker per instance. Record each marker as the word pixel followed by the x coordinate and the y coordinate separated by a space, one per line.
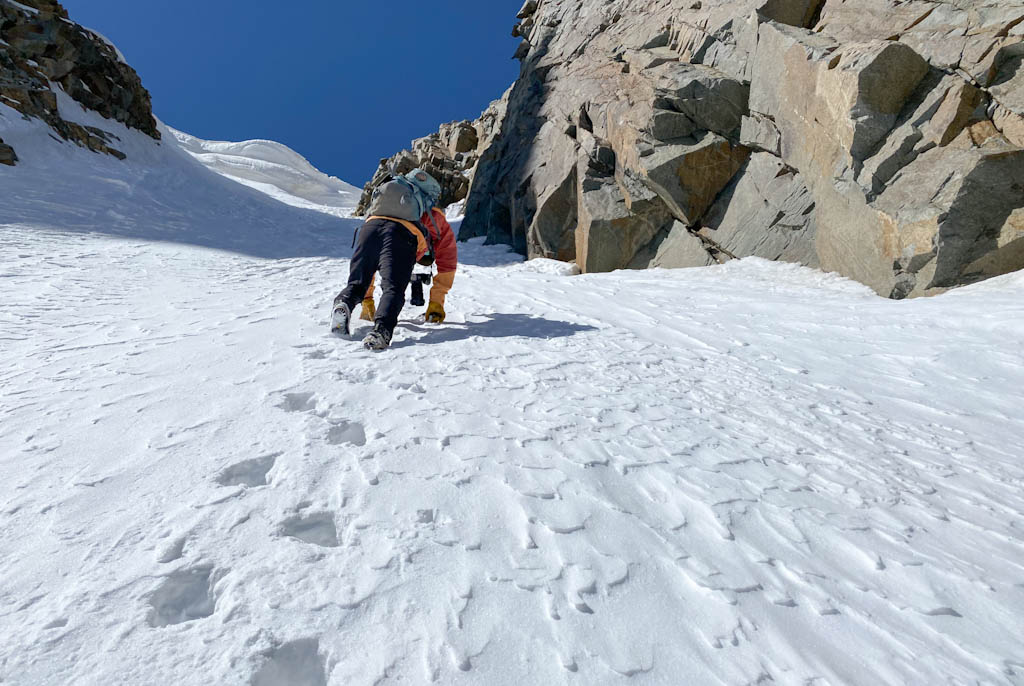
pixel 386 247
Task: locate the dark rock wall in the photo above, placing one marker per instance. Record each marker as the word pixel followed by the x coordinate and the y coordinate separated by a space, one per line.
pixel 43 49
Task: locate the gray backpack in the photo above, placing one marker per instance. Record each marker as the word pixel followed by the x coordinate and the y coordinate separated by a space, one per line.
pixel 408 197
pixel 398 198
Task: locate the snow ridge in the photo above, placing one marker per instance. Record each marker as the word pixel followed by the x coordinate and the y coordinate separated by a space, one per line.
pixel 276 170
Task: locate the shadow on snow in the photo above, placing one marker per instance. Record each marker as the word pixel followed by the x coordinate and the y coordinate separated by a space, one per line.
pixel 495 326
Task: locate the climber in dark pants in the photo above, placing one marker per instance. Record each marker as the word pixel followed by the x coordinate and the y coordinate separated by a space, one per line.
pixel 390 247
pixel 391 242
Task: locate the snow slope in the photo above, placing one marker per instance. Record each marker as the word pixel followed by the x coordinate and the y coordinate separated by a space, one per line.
pixel 745 474
pixel 162 192
pixel 276 170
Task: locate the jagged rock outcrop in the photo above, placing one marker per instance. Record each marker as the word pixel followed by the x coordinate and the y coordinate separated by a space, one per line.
pixel 450 155
pixel 41 49
pixel 881 139
pixel 7 154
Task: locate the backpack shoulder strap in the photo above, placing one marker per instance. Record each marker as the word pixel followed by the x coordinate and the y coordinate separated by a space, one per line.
pixel 430 219
pixel 437 229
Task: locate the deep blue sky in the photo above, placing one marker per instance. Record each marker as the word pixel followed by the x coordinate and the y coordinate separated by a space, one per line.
pixel 343 82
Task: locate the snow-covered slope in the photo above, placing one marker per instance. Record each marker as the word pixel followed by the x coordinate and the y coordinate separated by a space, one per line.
pixel 745 474
pixel 161 192
pixel 276 170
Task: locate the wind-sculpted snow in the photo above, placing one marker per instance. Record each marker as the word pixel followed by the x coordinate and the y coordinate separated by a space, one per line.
pixel 753 473
pixel 297 664
pixel 160 193
pixel 744 473
pixel 276 170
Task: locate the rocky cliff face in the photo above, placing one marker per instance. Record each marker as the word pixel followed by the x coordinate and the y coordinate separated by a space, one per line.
pixel 42 50
pixel 881 139
pixel 450 155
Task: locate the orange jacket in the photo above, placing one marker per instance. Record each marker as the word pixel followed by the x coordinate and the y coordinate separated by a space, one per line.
pixel 446 254
pixel 446 251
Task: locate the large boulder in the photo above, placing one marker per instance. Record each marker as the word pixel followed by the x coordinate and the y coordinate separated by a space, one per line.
pixel 945 105
pixel 549 203
pixel 953 216
pixel 7 155
pixel 463 138
pixel 709 98
pixel 688 176
pixel 679 248
pixel 609 234
pixel 617 217
pixel 1005 249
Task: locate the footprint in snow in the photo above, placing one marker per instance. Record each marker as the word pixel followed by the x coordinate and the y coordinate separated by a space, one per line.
pixel 298 402
pixel 249 473
pixel 184 596
pixel 346 433
pixel 316 354
pixel 317 529
pixel 583 608
pixel 426 516
pixel 297 663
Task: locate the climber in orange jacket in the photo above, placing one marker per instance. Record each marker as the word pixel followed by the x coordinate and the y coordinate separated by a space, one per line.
pixel 446 259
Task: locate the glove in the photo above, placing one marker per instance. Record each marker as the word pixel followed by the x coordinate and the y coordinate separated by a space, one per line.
pixel 369 312
pixel 435 312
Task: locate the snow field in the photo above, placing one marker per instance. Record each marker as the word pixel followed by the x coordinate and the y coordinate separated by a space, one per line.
pixel 276 170
pixel 754 473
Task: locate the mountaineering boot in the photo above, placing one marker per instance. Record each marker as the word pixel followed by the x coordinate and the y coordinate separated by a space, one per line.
pixel 340 318
pixel 377 340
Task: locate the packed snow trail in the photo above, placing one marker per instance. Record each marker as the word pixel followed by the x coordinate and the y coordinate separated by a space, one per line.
pixel 745 474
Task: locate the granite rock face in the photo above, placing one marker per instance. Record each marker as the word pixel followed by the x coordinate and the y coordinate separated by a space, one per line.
pixel 450 156
pixel 881 139
pixel 41 50
pixel 772 197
